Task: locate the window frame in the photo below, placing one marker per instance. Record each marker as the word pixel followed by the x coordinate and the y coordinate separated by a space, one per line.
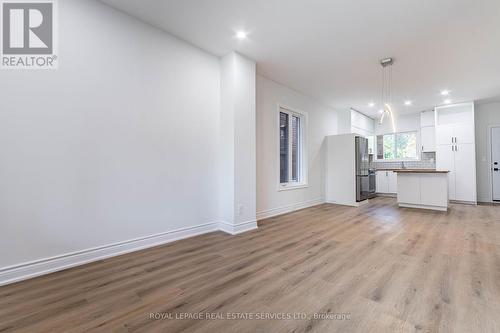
pixel 303 149
pixel 417 142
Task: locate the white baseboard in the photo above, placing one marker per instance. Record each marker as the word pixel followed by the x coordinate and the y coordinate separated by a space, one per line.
pixel 388 195
pixel 288 208
pixel 473 203
pixel 349 204
pixel 238 228
pixel 49 265
pixel 439 208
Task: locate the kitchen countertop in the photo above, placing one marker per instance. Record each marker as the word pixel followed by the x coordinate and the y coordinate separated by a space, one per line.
pixel 420 171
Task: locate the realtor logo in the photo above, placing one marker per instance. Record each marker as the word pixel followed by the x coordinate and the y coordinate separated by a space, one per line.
pixel 28 34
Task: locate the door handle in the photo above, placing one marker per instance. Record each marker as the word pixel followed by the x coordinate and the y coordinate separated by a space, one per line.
pixel 495 169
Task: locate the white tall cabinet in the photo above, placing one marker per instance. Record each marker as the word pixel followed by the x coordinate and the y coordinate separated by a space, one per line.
pixel 455 149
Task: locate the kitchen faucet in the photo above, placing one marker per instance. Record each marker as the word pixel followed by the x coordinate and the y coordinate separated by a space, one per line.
pixel 403 165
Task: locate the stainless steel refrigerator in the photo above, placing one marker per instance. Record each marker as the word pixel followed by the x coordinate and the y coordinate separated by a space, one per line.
pixel 365 177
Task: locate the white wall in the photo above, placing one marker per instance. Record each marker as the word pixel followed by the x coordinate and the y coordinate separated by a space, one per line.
pixel 344 121
pixel 237 186
pixel 120 142
pixel 322 121
pixel 486 115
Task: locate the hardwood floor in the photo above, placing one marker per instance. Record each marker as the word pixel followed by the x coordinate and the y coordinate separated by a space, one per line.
pixel 372 269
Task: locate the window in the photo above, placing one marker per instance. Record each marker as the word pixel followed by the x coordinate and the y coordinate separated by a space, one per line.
pixel 291 149
pixel 397 146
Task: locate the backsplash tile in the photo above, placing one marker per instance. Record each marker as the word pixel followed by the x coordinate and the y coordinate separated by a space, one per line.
pixel 427 161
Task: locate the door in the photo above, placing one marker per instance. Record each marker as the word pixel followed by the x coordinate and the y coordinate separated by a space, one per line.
pixel 465 181
pixel 495 162
pixel 428 137
pixel 444 134
pixel 445 160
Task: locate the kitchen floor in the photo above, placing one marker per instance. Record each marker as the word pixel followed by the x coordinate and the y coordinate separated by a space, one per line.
pixel 376 268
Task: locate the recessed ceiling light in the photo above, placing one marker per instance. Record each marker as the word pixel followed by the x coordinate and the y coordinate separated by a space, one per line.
pixel 241 35
pixel 408 103
pixel 447 101
pixel 445 92
pixel 380 111
pixel 371 104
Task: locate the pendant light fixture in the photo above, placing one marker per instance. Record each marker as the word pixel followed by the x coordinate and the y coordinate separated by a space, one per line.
pixel 387 111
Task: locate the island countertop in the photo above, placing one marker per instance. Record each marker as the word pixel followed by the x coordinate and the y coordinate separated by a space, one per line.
pixel 420 171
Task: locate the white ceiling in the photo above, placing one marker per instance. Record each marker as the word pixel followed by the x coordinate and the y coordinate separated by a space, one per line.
pixel 329 49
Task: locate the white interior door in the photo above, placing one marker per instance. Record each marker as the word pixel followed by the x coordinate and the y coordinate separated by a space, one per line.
pixel 495 161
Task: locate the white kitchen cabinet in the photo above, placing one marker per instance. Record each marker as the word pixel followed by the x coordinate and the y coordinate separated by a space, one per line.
pixel 455 149
pixel 464 172
pixel 428 190
pixel 427 131
pixel 445 134
pixel 392 180
pixel 464 133
pixel 457 159
pixel 433 190
pixel 409 186
pixel 445 160
pixel 382 185
pixel 387 182
pixel 454 134
pixel 427 119
pixel 428 138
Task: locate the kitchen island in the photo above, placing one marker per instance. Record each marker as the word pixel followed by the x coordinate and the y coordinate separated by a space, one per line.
pixel 423 188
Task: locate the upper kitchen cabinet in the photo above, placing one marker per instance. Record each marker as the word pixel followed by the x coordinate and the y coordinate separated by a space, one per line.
pixel 455 124
pixel 361 124
pixel 352 121
pixel 428 131
pixel 427 119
